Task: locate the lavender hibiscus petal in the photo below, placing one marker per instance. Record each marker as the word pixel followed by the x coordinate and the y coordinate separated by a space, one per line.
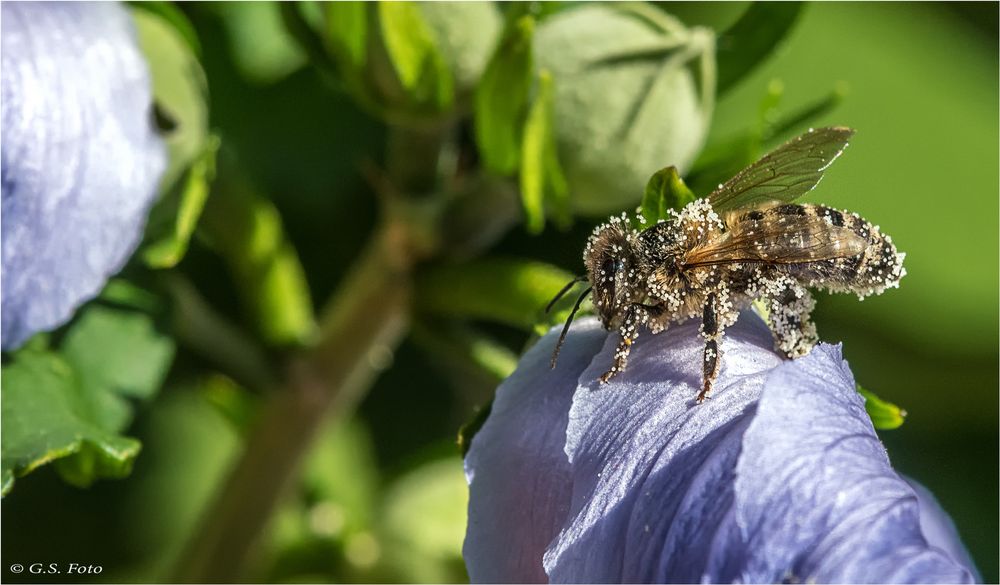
pixel 519 483
pixel 939 530
pixel 652 471
pixel 815 497
pixel 779 477
pixel 80 157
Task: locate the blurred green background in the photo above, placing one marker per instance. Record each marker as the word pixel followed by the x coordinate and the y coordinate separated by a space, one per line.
pixel 383 496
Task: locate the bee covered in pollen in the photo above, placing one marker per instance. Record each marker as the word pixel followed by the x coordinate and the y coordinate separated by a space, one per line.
pixel 745 241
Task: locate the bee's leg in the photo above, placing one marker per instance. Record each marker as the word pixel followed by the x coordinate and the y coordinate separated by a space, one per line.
pixel 717 315
pixel 791 306
pixel 636 315
pixel 711 331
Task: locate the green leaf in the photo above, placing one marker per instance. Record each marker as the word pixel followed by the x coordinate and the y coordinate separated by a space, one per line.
pixel 347 31
pixel 122 293
pixel 179 90
pixel 47 416
pixel 117 356
pixel 69 407
pixel 414 54
pixel 748 42
pixel 174 217
pixel 542 178
pixel 509 291
pixel 664 191
pixel 502 98
pixel 246 229
pixel 884 415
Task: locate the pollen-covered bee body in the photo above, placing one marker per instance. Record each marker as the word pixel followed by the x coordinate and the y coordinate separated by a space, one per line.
pixel 744 242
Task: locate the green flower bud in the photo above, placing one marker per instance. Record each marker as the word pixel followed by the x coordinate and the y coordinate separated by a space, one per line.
pixel 411 62
pixel 467 34
pixel 633 93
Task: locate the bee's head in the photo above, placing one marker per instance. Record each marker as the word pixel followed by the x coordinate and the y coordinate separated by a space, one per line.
pixel 611 269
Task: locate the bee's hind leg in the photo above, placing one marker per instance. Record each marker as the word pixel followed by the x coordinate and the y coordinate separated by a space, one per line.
pixel 716 316
pixel 637 314
pixel 791 305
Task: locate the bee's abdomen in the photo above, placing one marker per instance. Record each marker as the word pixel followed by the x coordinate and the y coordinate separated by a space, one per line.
pixel 878 267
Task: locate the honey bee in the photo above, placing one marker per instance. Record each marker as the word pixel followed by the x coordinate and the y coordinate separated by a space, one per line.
pixel 743 242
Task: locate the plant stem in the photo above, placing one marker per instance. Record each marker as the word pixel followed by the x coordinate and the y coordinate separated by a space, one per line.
pixel 366 318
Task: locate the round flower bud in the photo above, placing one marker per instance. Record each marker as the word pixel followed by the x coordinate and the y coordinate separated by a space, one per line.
pixel 411 62
pixel 628 99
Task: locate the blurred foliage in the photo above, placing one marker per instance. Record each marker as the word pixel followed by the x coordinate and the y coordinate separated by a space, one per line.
pixel 69 404
pixel 297 128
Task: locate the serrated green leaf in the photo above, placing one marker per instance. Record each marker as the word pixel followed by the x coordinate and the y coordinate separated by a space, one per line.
pixel 174 217
pixel 116 355
pixel 502 98
pixel 47 416
pixel 665 191
pixel 885 415
pixel 542 178
pixel 179 89
pixel 347 31
pixel 69 407
pixel 414 54
pixel 510 291
pixel 748 42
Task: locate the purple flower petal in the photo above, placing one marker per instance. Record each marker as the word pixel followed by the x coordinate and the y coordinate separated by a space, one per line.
pixel 80 158
pixel 779 476
pixel 648 464
pixel 518 473
pixel 939 530
pixel 815 497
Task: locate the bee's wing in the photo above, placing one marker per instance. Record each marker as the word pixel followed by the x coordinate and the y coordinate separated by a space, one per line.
pixel 784 174
pixel 797 239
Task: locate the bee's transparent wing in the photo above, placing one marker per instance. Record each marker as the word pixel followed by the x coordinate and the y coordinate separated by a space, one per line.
pixel 800 239
pixel 784 174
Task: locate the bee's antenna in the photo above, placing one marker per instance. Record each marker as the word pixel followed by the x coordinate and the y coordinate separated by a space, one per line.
pixel 564 290
pixel 569 320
